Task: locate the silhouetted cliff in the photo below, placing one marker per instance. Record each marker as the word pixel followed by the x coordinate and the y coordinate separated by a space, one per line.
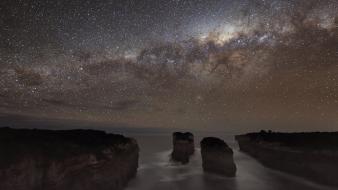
pixel 217 157
pixel 34 159
pixel 183 147
pixel 310 155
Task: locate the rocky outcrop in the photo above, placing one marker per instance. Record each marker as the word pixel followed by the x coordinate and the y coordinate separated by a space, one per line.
pixel 183 147
pixel 217 157
pixel 34 159
pixel 310 155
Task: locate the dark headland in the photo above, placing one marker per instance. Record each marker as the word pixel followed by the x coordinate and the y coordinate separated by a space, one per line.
pixel 312 155
pixel 34 159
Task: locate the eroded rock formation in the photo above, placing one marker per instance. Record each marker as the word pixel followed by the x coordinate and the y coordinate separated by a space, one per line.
pixel 183 147
pixel 217 157
pixel 65 160
pixel 310 155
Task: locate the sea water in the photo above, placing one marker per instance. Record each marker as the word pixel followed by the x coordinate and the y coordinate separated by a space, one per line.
pixel 157 172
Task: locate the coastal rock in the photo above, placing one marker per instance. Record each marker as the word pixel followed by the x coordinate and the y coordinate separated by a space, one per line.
pixel 183 147
pixel 217 157
pixel 34 159
pixel 310 155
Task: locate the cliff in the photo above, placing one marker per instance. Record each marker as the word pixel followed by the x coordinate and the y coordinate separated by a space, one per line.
pixel 34 159
pixel 310 155
pixel 217 157
pixel 183 147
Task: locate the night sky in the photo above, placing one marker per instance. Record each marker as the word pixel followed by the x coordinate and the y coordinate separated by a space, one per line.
pixel 216 64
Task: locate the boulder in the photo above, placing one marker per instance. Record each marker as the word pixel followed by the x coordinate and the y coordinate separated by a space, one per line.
pixel 34 159
pixel 183 147
pixel 217 157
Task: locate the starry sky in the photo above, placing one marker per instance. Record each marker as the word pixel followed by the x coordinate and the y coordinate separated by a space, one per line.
pixel 195 64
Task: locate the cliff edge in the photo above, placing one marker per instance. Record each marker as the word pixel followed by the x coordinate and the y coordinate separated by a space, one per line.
pixel 33 159
pixel 310 155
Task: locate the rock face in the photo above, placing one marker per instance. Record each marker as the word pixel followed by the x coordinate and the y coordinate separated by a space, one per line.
pixel 310 155
pixel 65 160
pixel 217 157
pixel 183 147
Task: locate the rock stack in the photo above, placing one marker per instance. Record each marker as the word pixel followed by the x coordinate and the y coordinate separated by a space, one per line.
pixel 183 147
pixel 57 160
pixel 217 157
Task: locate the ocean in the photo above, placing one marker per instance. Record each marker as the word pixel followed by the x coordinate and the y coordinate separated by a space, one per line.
pixel 156 171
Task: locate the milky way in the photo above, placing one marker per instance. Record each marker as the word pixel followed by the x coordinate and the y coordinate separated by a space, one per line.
pixel 190 64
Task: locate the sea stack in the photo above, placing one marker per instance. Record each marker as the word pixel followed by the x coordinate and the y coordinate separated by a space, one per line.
pixel 34 159
pixel 217 157
pixel 183 147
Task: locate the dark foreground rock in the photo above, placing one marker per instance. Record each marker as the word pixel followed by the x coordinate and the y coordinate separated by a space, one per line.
pixel 217 157
pixel 65 160
pixel 310 155
pixel 183 147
